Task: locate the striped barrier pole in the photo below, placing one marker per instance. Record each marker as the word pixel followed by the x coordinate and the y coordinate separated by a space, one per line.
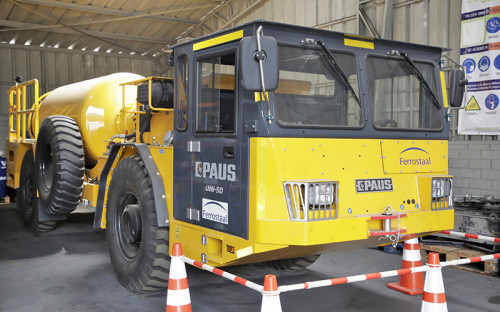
pixel 481 237
pixel 370 276
pixel 224 274
pixel 471 260
pixel 352 279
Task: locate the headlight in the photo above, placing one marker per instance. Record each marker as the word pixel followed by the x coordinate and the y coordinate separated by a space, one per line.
pixel 320 194
pixel 311 200
pixel 441 187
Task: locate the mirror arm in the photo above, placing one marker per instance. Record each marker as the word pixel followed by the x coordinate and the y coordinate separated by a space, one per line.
pixel 260 56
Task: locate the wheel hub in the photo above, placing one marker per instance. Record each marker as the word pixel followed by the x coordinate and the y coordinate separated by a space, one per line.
pixel 131 223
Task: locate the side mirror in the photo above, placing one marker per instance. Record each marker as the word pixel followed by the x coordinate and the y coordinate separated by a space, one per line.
pixel 249 63
pixel 457 87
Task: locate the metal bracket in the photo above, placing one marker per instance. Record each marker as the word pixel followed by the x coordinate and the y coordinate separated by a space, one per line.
pixel 193 146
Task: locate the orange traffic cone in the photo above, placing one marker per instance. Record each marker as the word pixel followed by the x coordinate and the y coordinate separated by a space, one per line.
pixel 410 284
pixel 270 295
pixel 433 299
pixel 178 299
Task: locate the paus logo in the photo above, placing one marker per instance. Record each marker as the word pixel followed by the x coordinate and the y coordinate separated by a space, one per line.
pixel 215 171
pixel 214 210
pixel 414 161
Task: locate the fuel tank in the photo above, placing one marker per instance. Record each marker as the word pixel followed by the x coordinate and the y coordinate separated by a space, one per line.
pixel 96 106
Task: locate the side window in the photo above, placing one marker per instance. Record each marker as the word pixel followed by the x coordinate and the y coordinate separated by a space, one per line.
pixel 182 79
pixel 215 105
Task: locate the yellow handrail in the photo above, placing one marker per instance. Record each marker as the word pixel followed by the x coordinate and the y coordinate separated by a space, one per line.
pixel 149 80
pixel 18 114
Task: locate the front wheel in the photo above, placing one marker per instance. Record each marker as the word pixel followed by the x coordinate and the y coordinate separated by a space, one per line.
pixel 137 246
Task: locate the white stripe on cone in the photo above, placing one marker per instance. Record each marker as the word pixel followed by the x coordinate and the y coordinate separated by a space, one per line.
pixel 177 269
pixel 411 255
pixel 270 303
pixel 178 297
pixel 412 241
pixel 434 307
pixel 434 281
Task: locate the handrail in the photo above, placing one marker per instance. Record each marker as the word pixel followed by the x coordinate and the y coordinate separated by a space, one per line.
pixel 19 114
pixel 149 80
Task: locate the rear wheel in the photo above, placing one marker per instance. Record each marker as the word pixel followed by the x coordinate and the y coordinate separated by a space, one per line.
pixel 293 264
pixel 26 198
pixel 137 246
pixel 59 165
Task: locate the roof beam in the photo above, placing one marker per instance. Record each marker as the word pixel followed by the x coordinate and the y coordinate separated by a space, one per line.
pixel 217 20
pixel 99 34
pixel 101 10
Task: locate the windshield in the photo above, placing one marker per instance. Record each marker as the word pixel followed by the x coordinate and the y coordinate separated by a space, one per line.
pixel 310 95
pixel 398 99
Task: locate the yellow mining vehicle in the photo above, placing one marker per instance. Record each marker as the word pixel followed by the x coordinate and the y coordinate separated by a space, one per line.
pixel 272 148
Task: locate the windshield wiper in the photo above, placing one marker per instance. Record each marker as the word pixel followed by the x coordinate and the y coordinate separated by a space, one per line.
pixel 335 66
pixel 421 78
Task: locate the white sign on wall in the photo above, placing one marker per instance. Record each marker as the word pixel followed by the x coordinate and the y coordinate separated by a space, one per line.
pixel 480 57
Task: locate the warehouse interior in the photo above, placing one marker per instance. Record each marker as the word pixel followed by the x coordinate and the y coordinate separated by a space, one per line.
pixel 60 42
pixel 128 36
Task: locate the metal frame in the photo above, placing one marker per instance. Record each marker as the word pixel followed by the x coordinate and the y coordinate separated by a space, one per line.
pixel 222 16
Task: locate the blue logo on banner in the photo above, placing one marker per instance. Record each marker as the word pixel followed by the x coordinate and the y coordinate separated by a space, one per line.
pixel 493 25
pixel 469 65
pixel 484 63
pixel 491 101
pixel 496 62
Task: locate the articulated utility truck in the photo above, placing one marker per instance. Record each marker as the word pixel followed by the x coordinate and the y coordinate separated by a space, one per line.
pixel 272 143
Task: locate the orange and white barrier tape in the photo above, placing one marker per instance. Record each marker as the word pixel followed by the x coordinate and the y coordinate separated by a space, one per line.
pixel 471 260
pixel 481 237
pixel 370 276
pixel 224 274
pixel 433 293
pixel 352 279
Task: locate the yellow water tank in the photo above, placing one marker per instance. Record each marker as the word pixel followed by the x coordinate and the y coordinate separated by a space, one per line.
pixel 96 106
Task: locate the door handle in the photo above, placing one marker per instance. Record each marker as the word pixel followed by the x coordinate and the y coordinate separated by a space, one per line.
pixel 228 152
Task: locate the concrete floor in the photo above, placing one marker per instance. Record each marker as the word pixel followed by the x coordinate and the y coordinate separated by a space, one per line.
pixel 69 270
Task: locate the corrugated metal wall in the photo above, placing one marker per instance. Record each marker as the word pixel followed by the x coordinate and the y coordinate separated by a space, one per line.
pixel 475 165
pixel 54 68
pixel 434 22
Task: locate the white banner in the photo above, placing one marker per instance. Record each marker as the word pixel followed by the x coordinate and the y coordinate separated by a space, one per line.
pixel 480 56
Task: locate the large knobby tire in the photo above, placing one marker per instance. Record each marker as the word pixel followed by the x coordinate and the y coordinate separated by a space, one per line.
pixel 60 165
pixel 137 246
pixel 292 264
pixel 26 197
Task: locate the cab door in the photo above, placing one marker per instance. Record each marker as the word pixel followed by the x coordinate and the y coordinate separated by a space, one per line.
pixel 216 196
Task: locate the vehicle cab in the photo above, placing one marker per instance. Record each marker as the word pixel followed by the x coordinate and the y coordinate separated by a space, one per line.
pixel 337 141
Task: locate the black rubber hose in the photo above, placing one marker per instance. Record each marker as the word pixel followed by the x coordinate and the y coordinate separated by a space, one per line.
pixel 130 136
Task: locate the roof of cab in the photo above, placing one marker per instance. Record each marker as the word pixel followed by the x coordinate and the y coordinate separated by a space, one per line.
pixel 253 25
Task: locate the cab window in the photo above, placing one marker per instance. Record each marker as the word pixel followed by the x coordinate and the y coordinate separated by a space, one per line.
pixel 182 81
pixel 310 95
pixel 215 104
pixel 397 98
